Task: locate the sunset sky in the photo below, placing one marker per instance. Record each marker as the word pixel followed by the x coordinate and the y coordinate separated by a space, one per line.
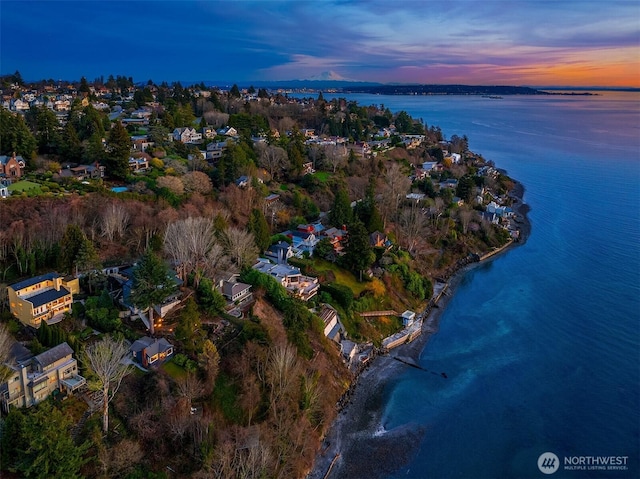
pixel 509 42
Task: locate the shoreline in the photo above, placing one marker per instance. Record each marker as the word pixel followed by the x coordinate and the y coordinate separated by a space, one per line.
pixel 343 452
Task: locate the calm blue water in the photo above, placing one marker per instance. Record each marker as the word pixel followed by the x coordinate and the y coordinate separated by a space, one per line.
pixel 541 345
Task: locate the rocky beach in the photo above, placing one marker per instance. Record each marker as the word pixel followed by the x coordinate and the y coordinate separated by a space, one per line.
pixel 343 452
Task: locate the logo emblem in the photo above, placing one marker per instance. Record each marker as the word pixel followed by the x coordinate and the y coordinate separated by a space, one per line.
pixel 548 463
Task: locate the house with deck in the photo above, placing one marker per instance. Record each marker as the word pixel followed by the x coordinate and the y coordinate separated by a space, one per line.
pixel 33 378
pixel 299 285
pixel 42 298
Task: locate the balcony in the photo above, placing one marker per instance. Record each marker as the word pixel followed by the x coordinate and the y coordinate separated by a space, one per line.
pixel 73 383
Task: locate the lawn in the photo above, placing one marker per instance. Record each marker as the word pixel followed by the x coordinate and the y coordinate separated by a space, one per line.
pixel 24 185
pixel 173 370
pixel 342 276
pixel 322 176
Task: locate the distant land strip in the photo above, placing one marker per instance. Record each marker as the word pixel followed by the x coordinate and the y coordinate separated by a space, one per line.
pixel 492 90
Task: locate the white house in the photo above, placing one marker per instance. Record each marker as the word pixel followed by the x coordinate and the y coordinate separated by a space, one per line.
pixel 299 285
pixel 186 135
pixel 228 131
pixel 235 291
pixel 408 317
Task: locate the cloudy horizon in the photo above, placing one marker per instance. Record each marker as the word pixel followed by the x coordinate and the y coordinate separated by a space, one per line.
pixel 533 43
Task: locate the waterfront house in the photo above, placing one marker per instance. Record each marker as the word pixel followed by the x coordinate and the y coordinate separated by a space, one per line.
pixel 408 317
pixel 33 378
pixel 333 328
pixel 42 298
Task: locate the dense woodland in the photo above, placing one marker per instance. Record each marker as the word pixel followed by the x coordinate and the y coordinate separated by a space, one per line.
pixel 264 388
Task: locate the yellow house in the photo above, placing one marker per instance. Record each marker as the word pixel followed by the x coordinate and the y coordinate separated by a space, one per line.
pixel 43 298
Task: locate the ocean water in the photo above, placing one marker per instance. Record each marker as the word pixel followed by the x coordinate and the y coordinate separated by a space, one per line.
pixel 541 346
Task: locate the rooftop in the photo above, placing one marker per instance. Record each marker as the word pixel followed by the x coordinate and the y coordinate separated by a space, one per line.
pixel 54 354
pixel 47 296
pixel 33 281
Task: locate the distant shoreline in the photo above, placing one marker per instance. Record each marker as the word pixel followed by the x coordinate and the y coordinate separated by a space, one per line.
pixel 356 444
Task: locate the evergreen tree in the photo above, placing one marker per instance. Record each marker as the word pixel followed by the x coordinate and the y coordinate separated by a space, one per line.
pixel 84 86
pixel 234 92
pixel 209 297
pixel 74 241
pixel 93 151
pixel 367 209
pixel 189 329
pixel 71 148
pixel 341 212
pixel 152 284
pixel 45 127
pixel 358 252
pixel 37 443
pixel 118 151
pixel 15 136
pixel 260 228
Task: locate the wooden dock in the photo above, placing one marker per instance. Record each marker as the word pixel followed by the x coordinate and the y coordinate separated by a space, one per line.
pixel 370 314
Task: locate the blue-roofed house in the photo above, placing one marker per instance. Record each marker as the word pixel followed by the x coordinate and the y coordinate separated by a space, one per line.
pixel 280 252
pixel 303 240
pixel 42 298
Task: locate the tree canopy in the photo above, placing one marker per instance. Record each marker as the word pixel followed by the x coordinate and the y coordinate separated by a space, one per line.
pixel 152 284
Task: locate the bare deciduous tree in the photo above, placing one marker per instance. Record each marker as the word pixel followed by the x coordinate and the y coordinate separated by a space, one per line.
pixel 6 341
pixel 396 185
pixel 193 247
pixel 241 453
pixel 466 215
pixel 272 158
pixel 197 181
pixel 335 156
pixel 240 245
pixel 412 226
pixel 315 153
pixel 172 183
pixel 189 387
pixel 209 361
pixel 106 359
pixel 281 374
pixel 216 119
pixel 120 458
pixel 113 221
